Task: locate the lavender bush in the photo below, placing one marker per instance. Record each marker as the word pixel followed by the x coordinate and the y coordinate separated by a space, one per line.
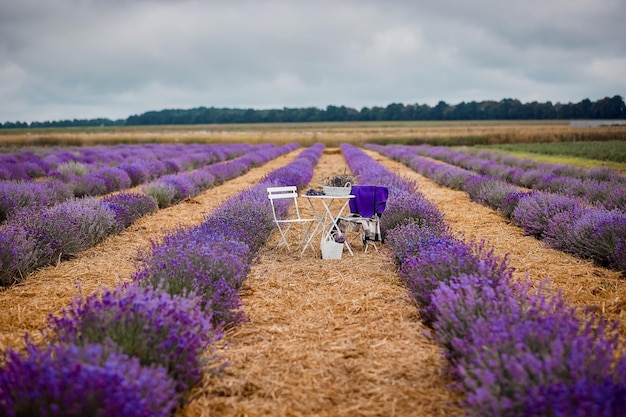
pixel 181 184
pixel 82 381
pixel 158 329
pixel 406 208
pixel 16 195
pixel 599 396
pixel 455 320
pixel 20 254
pixel 246 217
pixel 442 260
pixel 128 207
pixel 89 186
pixel 202 179
pixel 212 267
pixel 488 191
pixel 590 234
pixel 506 343
pixel 71 169
pixel 37 238
pixel 138 172
pixel 61 231
pixel 408 240
pixel 164 194
pixel 535 210
pixel 509 203
pixel 619 256
pixel 22 166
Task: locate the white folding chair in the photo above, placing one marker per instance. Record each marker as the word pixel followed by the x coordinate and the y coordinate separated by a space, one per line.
pixel 281 199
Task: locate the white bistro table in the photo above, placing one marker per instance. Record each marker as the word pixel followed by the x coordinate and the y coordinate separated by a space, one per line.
pixel 333 208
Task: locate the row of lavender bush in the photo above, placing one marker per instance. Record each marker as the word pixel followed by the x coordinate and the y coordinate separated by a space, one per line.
pixel 74 179
pixel 170 189
pixel 514 351
pixel 562 222
pixel 39 237
pixel 601 186
pixel 565 170
pixel 137 349
pixel 57 162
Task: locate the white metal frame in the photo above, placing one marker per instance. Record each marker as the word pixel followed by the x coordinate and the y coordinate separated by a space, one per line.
pixel 327 220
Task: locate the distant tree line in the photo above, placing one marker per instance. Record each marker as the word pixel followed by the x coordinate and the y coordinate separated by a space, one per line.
pixel 66 123
pixel 506 109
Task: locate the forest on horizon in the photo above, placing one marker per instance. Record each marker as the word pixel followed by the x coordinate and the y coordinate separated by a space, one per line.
pixel 505 109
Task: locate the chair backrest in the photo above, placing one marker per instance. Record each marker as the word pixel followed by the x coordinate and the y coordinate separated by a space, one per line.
pixel 283 193
pixel 369 199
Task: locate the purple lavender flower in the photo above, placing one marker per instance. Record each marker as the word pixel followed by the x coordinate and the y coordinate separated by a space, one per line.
pixel 211 266
pixel 339 238
pixel 506 342
pixel 89 186
pixel 22 166
pixel 406 208
pixel 589 233
pixel 181 184
pixel 408 240
pixel 138 172
pixel 67 228
pixel 488 191
pixel 151 325
pixel 20 254
pixel 444 259
pixel 16 195
pixel 509 203
pixel 600 396
pixel 246 217
pixel 129 207
pixel 535 210
pixel 90 380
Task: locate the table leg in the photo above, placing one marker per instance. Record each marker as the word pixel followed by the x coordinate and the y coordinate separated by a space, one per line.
pixel 320 222
pixel 334 220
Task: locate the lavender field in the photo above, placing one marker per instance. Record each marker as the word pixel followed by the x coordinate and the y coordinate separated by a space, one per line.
pixel 498 291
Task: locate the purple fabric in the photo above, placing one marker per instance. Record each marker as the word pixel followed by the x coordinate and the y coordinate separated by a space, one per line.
pixel 369 199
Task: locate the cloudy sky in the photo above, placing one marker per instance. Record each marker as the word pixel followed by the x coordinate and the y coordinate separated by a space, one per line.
pixel 66 59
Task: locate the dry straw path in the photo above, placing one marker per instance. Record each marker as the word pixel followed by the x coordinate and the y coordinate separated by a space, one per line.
pixel 326 338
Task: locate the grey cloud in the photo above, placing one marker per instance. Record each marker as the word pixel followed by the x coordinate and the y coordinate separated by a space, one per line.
pixel 71 58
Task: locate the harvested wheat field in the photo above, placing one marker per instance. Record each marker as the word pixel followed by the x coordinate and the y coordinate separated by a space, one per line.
pixel 322 337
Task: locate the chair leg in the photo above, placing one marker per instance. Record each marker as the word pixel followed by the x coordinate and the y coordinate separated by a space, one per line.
pixel 283 239
pixel 367 245
pixel 305 236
